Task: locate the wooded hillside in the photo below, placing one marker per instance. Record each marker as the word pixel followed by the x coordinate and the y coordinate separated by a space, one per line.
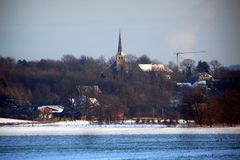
pixel 27 84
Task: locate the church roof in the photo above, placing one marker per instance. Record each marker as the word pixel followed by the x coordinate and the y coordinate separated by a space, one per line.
pixel 119 43
pixel 120 52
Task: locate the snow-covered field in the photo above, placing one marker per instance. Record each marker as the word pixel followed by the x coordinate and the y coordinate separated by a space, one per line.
pixel 19 122
pixel 84 128
pixel 13 121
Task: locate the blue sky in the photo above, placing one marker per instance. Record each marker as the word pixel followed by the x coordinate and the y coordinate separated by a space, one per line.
pixel 36 29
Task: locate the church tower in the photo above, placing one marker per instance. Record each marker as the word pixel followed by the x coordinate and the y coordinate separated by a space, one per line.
pixel 121 67
pixel 120 55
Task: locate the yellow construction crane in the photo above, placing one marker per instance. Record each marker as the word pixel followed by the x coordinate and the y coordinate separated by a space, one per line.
pixel 177 54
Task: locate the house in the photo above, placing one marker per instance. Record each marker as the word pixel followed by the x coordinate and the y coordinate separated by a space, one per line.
pixel 184 84
pixel 204 77
pixel 156 68
pixel 199 84
pixel 46 112
pixel 94 102
pixel 202 83
pixel 89 89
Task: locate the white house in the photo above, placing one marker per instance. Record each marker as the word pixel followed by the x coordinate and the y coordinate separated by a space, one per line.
pixel 46 111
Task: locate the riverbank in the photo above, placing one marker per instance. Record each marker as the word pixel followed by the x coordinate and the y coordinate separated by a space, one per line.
pixel 5 121
pixel 25 128
pixel 19 122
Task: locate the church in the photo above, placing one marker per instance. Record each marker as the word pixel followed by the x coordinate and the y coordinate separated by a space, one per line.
pixel 120 68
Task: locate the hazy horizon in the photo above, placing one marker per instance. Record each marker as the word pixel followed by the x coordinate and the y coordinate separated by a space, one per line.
pixel 34 30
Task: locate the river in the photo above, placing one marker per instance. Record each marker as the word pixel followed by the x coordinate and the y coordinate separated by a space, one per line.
pixel 121 147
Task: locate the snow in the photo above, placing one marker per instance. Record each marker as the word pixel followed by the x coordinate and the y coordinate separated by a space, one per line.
pixel 15 121
pixel 109 130
pixel 81 127
pixel 67 123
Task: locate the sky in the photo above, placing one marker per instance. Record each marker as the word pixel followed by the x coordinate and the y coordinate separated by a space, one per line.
pixel 49 29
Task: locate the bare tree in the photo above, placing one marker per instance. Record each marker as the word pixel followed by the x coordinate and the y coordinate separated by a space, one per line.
pixel 187 65
pixel 214 66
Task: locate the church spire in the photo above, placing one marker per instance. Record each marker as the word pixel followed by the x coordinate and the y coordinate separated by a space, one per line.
pixel 121 68
pixel 119 44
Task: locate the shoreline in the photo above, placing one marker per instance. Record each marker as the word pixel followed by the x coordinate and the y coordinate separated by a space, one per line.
pixel 101 130
pixel 79 127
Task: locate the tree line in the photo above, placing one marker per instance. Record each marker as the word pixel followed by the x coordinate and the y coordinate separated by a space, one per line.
pixel 24 85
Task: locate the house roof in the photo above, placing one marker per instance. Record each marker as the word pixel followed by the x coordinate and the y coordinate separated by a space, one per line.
pixel 154 67
pixel 196 84
pixel 94 101
pixel 199 83
pixel 186 84
pixel 55 108
pixel 204 76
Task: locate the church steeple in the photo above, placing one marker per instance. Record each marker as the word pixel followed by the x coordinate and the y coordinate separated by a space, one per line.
pixel 119 44
pixel 120 67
